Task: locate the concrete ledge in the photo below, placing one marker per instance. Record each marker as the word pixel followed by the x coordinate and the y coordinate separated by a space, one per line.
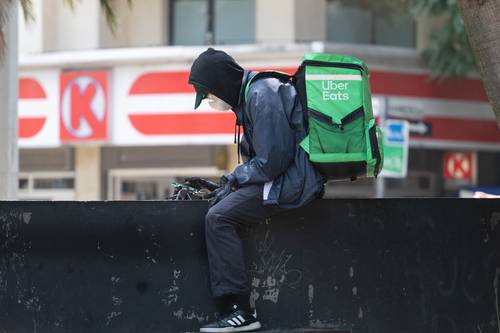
pixel 396 265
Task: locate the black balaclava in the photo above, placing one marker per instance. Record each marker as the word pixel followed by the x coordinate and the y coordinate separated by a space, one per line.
pixel 216 72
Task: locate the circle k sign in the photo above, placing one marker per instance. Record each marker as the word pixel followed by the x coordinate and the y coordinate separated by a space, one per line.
pixel 84 106
pixel 459 166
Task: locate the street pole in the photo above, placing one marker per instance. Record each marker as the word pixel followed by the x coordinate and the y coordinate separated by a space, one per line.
pixel 9 164
pixel 380 182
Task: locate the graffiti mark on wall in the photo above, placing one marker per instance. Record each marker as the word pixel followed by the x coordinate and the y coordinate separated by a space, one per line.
pixel 111 316
pixel 310 296
pixel 494 220
pixel 495 287
pixel 100 249
pixel 151 239
pixel 14 274
pixel 171 295
pixel 271 272
pixel 116 301
pixel 190 314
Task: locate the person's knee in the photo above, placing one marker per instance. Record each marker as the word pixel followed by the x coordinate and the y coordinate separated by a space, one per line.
pixel 211 216
pixel 219 217
pixel 212 219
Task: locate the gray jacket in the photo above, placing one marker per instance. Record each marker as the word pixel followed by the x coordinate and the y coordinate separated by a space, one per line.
pixel 271 116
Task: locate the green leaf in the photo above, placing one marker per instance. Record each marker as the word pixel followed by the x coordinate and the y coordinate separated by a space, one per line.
pixel 449 53
pixel 108 10
pixel 27 7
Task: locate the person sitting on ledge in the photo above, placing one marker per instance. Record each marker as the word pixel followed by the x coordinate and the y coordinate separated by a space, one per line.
pixel 276 174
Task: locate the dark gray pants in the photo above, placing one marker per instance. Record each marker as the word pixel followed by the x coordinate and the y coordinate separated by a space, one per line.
pixel 241 208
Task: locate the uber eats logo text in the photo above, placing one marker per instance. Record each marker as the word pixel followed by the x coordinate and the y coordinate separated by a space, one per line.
pixel 335 90
pixel 336 87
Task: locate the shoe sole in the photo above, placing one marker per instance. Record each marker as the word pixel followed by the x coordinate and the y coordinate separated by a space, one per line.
pixel 248 328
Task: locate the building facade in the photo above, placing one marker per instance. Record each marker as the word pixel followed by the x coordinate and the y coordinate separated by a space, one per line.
pixel 109 115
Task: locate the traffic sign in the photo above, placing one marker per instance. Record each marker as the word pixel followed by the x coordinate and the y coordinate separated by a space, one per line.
pixel 421 128
pixel 396 142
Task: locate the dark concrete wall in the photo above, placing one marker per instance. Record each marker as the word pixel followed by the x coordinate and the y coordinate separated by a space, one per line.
pixel 388 266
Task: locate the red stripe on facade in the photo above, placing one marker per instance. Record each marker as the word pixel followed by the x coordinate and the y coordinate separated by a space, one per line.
pixel 184 124
pixel 461 130
pixel 161 83
pixel 29 127
pixel 383 83
pixel 420 85
pixel 30 88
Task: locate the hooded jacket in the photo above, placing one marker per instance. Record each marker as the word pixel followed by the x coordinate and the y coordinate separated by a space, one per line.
pixel 273 126
pixel 217 73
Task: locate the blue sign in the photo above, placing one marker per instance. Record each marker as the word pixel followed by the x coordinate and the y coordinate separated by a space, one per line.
pixel 395 133
pixel 396 142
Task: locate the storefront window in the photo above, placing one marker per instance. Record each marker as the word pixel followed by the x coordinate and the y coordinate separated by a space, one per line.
pixel 47 185
pixel 23 183
pixel 370 22
pixel 153 184
pixel 199 22
pixel 54 183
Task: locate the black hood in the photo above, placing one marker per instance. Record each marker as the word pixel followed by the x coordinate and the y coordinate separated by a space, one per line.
pixel 216 72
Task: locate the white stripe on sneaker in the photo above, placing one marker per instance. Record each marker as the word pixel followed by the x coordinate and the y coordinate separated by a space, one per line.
pixel 247 328
pixel 232 322
pixel 241 319
pixel 236 320
pixel 251 327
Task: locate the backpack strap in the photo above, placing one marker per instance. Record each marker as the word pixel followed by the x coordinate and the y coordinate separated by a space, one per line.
pixel 265 74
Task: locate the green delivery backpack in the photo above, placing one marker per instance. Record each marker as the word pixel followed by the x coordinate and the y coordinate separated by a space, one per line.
pixel 343 141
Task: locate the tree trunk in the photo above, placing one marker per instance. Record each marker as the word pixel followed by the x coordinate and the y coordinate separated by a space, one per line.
pixel 482 23
pixel 4 15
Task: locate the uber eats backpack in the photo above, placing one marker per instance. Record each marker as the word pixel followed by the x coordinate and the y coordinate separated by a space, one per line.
pixel 343 141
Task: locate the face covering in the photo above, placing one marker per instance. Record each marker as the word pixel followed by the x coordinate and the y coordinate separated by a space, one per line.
pixel 217 103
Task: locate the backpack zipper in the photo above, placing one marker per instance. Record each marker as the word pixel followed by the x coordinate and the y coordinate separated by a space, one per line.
pixel 325 119
pixel 359 112
pixel 333 64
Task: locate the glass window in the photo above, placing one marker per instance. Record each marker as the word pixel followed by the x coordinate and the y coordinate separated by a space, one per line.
pixel 54 183
pixel 139 190
pixel 397 30
pixel 23 183
pixel 347 24
pixel 189 22
pixel 362 22
pixel 233 22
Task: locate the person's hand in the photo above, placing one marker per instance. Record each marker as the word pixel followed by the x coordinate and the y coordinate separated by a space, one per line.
pixel 228 184
pixel 200 183
pixel 193 182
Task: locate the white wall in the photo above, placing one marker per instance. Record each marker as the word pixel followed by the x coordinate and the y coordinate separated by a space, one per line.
pixel 425 26
pixel 67 28
pixel 275 21
pixel 88 173
pixel 310 20
pixel 58 27
pixel 30 31
pixel 142 24
pixel 289 21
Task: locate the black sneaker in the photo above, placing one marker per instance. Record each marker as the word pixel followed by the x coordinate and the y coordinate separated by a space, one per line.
pixel 237 321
